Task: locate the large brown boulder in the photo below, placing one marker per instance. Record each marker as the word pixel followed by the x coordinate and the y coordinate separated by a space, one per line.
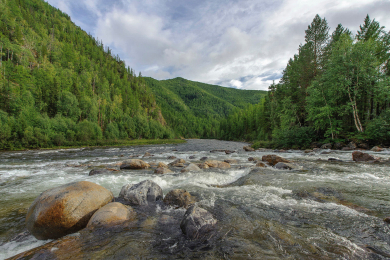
pixel 358 156
pixel 162 170
pixel 134 164
pixel 217 164
pixel 179 197
pixel 273 159
pixel 248 149
pixel 65 209
pixel 112 214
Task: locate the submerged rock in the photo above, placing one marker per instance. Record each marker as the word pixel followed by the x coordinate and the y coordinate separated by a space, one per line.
pixel 387 220
pixel 98 171
pixel 231 161
pixel 65 209
pixel 162 170
pixel 177 163
pixel 358 156
pixel 204 158
pixel 217 164
pixel 285 166
pixel 273 159
pixel 248 149
pixel 134 164
pixel 334 160
pixel 191 168
pixel 229 151
pixel 171 157
pixel 180 198
pixel 260 164
pixel 143 193
pixel 197 222
pixel 113 213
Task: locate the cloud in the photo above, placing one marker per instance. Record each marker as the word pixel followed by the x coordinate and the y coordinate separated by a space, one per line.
pixel 242 44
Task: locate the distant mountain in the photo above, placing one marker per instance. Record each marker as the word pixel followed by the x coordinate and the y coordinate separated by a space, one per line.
pixel 194 109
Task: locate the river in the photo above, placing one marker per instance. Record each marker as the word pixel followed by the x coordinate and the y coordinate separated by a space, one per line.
pixel 322 210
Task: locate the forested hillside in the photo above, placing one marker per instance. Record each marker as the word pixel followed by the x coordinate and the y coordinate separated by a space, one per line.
pixel 195 109
pixel 59 85
pixel 336 89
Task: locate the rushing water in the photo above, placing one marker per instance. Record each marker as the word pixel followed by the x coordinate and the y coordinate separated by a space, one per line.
pixel 323 210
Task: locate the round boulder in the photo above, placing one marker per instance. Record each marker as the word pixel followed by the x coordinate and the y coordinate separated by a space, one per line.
pixel 358 156
pixel 191 168
pixel 134 164
pixel 248 149
pixel 273 159
pixel 179 197
pixel 99 171
pixel 65 209
pixel 112 214
pixel 196 222
pixel 162 170
pixel 142 193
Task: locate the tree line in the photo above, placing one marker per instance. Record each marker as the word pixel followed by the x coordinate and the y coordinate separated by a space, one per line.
pixel 337 88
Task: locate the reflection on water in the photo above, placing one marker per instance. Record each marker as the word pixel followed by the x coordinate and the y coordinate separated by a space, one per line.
pixel 326 210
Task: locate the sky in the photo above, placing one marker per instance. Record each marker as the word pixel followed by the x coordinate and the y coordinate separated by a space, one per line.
pixel 243 44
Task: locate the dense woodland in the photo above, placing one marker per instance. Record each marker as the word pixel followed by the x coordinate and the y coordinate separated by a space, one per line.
pixel 194 110
pixel 61 86
pixel 336 89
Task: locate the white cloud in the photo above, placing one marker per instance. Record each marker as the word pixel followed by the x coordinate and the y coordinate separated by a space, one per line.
pixel 243 44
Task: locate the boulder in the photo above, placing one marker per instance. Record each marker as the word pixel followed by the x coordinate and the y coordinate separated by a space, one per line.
pixel 112 214
pixel 217 164
pixel 229 151
pixel 177 163
pixel 231 161
pixel 334 160
pixel 192 157
pixel 171 157
pixel 376 149
pixel 285 166
pixel 65 209
pixel 352 145
pixel 346 149
pixel 203 158
pixel 273 159
pixel 203 166
pixel 197 222
pixel 326 146
pixel 260 164
pixel 358 156
pixel 308 151
pixel 162 170
pixel 147 154
pixel 143 193
pixel 180 198
pixel 252 159
pixel 162 165
pixel 338 146
pixel 248 149
pixel 191 168
pixel 134 164
pixel 98 171
pixel 387 220
pixel 364 146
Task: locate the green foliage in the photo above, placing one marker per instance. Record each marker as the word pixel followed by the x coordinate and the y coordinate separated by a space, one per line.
pixel 60 85
pixel 297 137
pixel 378 130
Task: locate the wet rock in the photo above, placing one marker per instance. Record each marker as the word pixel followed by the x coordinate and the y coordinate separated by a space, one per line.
pixel 252 159
pixel 192 157
pixel 162 165
pixel 387 220
pixel 134 164
pixel 180 198
pixel 65 209
pixel 364 146
pixel 147 154
pixel 204 158
pixel 376 149
pixel 273 159
pixel 171 157
pixel 162 170
pixel 334 160
pixel 113 213
pixel 153 164
pixel 338 146
pixel 231 161
pixel 284 166
pixel 326 146
pixel 99 171
pixel 346 149
pixel 217 164
pixel 203 166
pixel 248 149
pixel 143 193
pixel 191 168
pixel 352 145
pixel 260 164
pixel 197 222
pixel 217 151
pixel 358 156
pixel 177 163
pixel 308 151
pixel 229 151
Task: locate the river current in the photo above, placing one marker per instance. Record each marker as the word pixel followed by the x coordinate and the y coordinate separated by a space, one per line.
pixel 324 209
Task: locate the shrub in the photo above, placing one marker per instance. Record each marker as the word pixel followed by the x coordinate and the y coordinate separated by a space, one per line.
pixel 297 137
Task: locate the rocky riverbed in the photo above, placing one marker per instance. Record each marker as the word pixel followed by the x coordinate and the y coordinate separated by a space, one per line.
pixel 306 205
